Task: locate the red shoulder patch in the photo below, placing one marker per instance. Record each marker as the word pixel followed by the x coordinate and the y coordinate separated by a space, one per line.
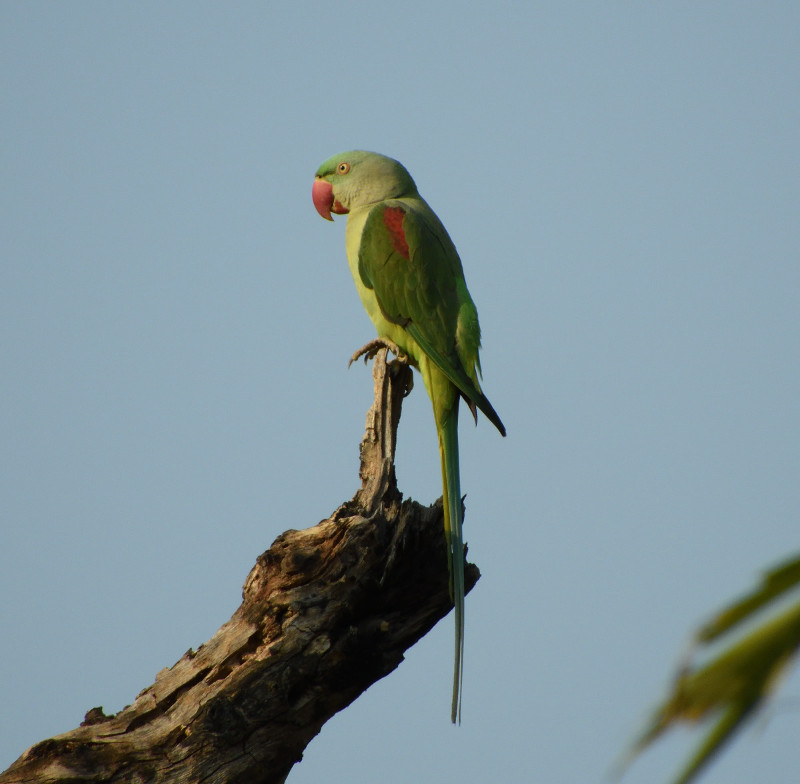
pixel 393 220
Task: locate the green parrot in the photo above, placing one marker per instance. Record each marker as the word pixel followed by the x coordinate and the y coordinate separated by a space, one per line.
pixel 409 277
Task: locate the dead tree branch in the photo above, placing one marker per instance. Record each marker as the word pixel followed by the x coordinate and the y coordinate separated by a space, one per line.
pixel 326 612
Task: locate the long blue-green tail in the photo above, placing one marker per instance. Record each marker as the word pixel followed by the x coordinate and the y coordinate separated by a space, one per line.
pixel 448 449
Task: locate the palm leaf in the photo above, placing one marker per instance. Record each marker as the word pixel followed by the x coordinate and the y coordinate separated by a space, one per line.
pixel 733 666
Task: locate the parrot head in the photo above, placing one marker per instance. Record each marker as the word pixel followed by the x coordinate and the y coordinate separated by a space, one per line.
pixel 357 178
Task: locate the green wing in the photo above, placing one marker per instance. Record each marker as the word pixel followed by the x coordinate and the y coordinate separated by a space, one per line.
pixel 410 263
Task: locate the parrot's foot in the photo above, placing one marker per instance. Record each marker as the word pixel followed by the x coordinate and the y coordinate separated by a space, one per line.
pixel 369 351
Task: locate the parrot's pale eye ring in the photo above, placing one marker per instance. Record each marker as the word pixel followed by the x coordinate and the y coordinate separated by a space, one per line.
pixel 343 168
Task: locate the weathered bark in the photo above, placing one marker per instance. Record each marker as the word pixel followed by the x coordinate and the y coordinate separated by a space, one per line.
pixel 325 613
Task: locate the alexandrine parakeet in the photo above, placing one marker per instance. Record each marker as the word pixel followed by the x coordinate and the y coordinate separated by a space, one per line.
pixel 409 277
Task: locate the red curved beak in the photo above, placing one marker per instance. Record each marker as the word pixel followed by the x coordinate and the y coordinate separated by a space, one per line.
pixel 322 195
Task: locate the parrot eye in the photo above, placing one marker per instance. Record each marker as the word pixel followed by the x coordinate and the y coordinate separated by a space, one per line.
pixel 343 168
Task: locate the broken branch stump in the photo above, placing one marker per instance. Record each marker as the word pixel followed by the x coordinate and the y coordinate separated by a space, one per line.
pixel 325 613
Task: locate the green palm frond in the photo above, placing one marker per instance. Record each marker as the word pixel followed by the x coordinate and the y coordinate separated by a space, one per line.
pixel 735 662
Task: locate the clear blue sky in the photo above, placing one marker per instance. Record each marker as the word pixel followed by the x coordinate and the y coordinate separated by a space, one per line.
pixel 623 183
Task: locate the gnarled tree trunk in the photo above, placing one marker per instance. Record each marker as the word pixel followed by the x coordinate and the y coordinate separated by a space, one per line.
pixel 326 612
